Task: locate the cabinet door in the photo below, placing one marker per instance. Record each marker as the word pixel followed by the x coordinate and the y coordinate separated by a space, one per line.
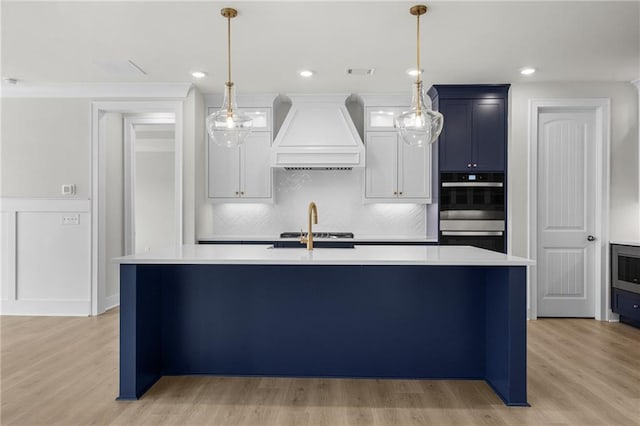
pixel 414 171
pixel 489 136
pixel 224 171
pixel 255 179
pixel 455 140
pixel 381 171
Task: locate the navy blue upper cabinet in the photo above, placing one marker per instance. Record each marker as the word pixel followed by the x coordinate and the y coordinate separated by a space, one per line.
pixel 474 137
pixel 455 140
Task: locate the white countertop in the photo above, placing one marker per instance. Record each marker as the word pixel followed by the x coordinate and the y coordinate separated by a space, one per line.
pixel 356 238
pixel 626 242
pixel 360 255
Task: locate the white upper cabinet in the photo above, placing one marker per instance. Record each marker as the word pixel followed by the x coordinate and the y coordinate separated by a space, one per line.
pixel 395 172
pixel 381 172
pixel 243 173
pixel 255 170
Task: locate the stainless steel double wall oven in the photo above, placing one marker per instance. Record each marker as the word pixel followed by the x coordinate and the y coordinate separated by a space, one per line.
pixel 472 210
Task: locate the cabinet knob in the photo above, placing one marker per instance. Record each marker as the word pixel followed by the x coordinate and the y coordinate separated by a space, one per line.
pixel 395 192
pixel 400 192
pixel 237 193
pixel 468 165
pixel 241 192
pixel 475 165
pixel 636 306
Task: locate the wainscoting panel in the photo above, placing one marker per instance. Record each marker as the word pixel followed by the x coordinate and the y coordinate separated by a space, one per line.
pixel 46 257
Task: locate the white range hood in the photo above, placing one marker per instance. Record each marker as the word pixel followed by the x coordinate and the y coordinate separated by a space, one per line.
pixel 318 133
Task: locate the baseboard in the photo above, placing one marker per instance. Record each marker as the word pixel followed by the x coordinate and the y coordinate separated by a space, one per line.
pixel 76 308
pixel 111 302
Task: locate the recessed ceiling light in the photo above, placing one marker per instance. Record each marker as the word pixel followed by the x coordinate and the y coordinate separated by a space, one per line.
pixel 306 73
pixel 199 74
pixel 527 71
pixel 414 72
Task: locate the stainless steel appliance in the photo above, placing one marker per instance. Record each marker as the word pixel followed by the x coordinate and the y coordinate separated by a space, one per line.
pixel 625 268
pixel 321 240
pixel 472 210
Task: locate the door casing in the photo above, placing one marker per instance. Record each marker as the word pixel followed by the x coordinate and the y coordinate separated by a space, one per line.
pixel 98 184
pixel 601 107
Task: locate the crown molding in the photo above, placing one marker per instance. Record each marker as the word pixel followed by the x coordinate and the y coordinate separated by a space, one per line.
pixel 96 90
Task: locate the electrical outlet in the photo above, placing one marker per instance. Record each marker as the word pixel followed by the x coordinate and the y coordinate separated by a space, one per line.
pixel 71 219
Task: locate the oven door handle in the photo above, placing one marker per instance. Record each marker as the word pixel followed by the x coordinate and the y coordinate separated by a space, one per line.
pixel 472 184
pixel 473 233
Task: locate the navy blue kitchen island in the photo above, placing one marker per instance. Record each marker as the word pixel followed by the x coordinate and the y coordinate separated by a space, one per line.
pixel 370 312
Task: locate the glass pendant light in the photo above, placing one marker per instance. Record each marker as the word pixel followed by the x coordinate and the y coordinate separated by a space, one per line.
pixel 420 125
pixel 228 126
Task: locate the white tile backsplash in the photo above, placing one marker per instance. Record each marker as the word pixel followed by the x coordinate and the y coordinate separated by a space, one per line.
pixel 339 197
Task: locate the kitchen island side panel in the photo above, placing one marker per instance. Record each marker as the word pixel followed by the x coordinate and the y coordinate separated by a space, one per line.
pixel 330 321
pixel 506 333
pixel 141 290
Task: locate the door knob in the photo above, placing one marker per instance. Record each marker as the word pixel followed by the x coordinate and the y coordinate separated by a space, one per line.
pixel 591 238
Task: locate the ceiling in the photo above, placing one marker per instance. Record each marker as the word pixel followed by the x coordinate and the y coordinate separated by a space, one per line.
pixel 54 42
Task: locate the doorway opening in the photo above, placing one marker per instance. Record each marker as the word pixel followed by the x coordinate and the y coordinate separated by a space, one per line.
pixel 136 180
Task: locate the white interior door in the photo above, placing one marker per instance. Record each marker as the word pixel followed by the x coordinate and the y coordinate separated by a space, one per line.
pixel 566 260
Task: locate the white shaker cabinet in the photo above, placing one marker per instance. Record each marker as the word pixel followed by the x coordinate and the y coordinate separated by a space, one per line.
pixel 395 172
pixel 243 173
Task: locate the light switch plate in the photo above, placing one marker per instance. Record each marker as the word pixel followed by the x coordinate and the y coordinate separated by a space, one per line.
pixel 68 189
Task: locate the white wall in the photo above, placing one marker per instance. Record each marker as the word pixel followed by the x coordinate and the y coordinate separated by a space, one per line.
pixel 193 155
pixel 624 191
pixel 45 264
pixel 45 143
pixel 114 141
pixel 154 200
pixel 338 195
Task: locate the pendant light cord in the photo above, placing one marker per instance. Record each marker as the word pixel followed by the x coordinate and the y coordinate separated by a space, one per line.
pixel 229 49
pixel 418 71
pixel 229 83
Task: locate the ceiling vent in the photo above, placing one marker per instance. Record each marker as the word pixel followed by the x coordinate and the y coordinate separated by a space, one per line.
pixel 120 67
pixel 361 71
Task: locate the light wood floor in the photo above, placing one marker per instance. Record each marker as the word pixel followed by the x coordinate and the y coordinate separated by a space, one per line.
pixel 65 371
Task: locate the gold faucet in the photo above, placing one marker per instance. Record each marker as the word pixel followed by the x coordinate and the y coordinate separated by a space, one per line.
pixel 313 213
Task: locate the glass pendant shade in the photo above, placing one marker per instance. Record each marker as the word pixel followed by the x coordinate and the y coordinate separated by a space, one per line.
pixel 228 126
pixel 420 125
